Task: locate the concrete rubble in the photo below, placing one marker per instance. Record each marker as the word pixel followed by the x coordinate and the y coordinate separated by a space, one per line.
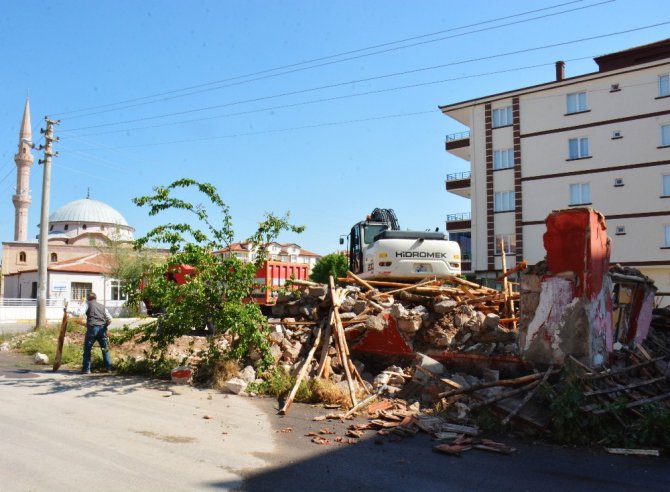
pixel 453 345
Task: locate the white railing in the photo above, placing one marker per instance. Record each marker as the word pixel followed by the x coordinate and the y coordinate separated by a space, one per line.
pixel 18 302
pixel 25 310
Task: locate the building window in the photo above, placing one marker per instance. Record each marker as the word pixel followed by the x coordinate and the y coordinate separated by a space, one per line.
pixel 502 117
pixel 22 257
pixel 666 244
pixel 84 227
pixel 503 201
pixel 665 135
pixel 503 159
pixel 79 290
pixel 580 194
pixel 666 185
pixel 508 240
pixel 117 291
pixel 664 85
pixel 66 227
pixel 577 102
pixel 618 182
pixel 51 227
pixel 54 257
pixel 620 230
pixel 464 240
pixel 578 148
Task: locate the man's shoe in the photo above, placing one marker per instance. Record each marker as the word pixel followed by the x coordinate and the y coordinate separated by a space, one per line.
pixel 85 372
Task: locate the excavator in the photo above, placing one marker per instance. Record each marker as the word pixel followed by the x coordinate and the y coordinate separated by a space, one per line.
pixel 378 249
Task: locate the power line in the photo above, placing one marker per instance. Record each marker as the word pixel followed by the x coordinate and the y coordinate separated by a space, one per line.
pixel 328 99
pixel 257 77
pixel 369 79
pixel 265 132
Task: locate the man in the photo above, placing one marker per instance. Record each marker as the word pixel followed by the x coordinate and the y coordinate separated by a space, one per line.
pixel 97 321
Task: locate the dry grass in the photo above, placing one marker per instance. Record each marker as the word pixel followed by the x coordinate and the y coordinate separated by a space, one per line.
pixel 223 371
pixel 327 392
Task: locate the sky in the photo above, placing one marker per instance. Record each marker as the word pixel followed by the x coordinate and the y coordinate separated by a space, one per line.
pixel 324 110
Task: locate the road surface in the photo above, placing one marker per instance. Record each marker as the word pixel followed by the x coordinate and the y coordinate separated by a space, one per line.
pixel 67 432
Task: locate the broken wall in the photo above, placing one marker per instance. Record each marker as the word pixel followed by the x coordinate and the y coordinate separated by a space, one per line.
pixel 567 308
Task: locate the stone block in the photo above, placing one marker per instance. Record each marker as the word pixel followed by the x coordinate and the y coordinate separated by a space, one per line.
pixel 429 364
pixel 444 307
pixel 398 311
pixel 317 291
pixel 236 386
pixel 248 374
pixel 359 306
pixel 409 325
pixel 491 322
pixel 377 323
pixel 41 358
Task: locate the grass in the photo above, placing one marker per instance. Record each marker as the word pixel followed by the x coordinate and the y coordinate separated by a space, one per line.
pixel 45 341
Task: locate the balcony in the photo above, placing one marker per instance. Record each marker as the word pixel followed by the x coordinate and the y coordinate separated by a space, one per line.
pixel 459 184
pixel 459 222
pixel 458 144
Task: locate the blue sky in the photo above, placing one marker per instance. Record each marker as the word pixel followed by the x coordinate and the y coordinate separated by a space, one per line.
pixel 172 96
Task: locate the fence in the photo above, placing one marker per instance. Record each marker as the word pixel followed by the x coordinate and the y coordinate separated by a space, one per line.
pixel 25 310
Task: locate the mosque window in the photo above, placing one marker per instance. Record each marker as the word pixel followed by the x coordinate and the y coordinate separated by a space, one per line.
pixel 84 227
pixel 22 257
pixel 66 227
pixel 54 257
pixel 51 227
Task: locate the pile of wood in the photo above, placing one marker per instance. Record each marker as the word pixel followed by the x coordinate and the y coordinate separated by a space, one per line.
pixel 431 315
pixel 314 327
pixel 638 379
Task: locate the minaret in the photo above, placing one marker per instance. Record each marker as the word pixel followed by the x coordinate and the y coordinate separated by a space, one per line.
pixel 24 159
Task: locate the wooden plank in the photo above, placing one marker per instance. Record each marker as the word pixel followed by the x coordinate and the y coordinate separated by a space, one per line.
pixel 633 452
pixel 61 340
pixel 503 382
pixel 621 371
pixel 624 388
pixel 301 374
pixel 360 281
pixel 527 398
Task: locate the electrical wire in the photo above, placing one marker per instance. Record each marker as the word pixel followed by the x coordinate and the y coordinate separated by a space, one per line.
pixel 328 99
pixel 369 79
pixel 217 87
pixel 266 132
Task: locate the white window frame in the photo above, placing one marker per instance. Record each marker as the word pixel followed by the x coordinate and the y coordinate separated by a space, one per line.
pixel 580 193
pixel 510 244
pixel 116 292
pixel 578 148
pixel 664 85
pixel 503 159
pixel 666 230
pixel 576 102
pixel 502 117
pixel 665 135
pixel 665 185
pixel 503 201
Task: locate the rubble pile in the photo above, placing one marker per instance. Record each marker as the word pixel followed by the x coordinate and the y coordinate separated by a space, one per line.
pixel 429 317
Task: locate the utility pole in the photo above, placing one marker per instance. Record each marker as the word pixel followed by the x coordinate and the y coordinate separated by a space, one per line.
pixel 43 245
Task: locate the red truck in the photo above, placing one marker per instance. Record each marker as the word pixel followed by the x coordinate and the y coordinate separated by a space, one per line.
pixel 270 277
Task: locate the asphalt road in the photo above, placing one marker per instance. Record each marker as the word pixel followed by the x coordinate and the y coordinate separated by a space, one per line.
pixel 65 431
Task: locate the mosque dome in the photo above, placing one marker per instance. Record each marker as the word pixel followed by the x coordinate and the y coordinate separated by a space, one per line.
pixel 88 210
pixel 88 215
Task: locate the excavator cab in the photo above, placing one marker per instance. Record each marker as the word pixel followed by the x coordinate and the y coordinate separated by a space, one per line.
pixel 379 249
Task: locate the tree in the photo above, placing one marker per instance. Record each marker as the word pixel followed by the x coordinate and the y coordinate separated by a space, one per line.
pixel 217 292
pixel 128 266
pixel 335 264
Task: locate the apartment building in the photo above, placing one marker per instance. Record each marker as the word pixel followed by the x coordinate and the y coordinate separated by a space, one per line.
pixel 600 140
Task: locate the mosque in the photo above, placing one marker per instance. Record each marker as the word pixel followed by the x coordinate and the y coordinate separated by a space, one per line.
pixel 79 234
